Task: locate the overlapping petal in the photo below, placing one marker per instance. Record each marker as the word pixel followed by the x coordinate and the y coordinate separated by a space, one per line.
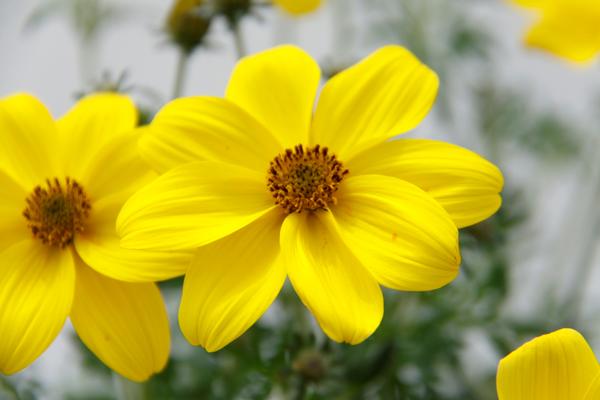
pixel 556 366
pixel 464 183
pixel 398 232
pixel 386 94
pixel 28 135
pixel 231 283
pixel 298 7
pixel 36 291
pixel 342 295
pixel 13 228
pixel 193 205
pixel 207 128
pixel 278 87
pixel 99 246
pixel 91 124
pixel 124 324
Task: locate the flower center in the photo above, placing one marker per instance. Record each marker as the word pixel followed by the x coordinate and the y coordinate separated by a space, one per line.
pixel 305 179
pixel 56 213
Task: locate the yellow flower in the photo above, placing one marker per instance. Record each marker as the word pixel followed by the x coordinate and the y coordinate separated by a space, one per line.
pixel 557 366
pixel 298 7
pixel 62 184
pixel 567 28
pixel 267 190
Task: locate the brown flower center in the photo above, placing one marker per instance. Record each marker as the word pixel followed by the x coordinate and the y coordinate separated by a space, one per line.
pixel 56 213
pixel 305 178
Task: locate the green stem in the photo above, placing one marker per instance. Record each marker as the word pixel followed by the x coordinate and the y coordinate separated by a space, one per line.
pixel 180 73
pixel 238 40
pixel 126 389
pixel 301 389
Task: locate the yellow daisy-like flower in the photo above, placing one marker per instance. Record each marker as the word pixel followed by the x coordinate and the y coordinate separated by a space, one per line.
pixel 557 366
pixel 298 7
pixel 566 28
pixel 62 184
pixel 265 188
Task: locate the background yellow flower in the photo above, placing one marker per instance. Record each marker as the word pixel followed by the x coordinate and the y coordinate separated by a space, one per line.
pixel 62 184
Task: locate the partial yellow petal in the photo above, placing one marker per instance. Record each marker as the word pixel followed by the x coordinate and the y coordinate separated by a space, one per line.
pixel 557 366
pixel 465 184
pixel 570 31
pixel 207 128
pixel 298 7
pixel 399 233
pixel 28 135
pixel 36 291
pixel 193 205
pixel 343 296
pixel 116 169
pixel 92 123
pixel 99 246
pixel 386 94
pixel 278 87
pixel 593 392
pixel 13 228
pixel 231 284
pixel 124 324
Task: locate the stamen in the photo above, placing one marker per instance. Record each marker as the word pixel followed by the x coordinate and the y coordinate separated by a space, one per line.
pixel 55 214
pixel 305 179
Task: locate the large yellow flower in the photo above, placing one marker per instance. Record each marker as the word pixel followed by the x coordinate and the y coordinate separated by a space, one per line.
pixel 567 28
pixel 62 184
pixel 266 190
pixel 298 7
pixel 557 366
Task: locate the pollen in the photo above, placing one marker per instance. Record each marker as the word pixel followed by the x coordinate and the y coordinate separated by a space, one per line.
pixel 305 179
pixel 56 213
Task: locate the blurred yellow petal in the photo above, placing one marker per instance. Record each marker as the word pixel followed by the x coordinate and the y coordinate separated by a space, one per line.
pixel 28 137
pixel 593 392
pixel 116 170
pixel 298 7
pixel 343 296
pixel 231 284
pixel 464 183
pixel 99 246
pixel 386 94
pixel 207 128
pixel 36 291
pixel 398 232
pixel 124 324
pixel 92 123
pixel 569 31
pixel 278 87
pixel 13 228
pixel 557 366
pixel 193 205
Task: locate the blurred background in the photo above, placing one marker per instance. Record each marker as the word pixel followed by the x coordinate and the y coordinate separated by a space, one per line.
pixel 530 269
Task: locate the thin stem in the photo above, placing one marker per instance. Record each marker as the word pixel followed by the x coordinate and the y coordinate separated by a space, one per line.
pixel 238 40
pixel 126 389
pixel 180 73
pixel 301 389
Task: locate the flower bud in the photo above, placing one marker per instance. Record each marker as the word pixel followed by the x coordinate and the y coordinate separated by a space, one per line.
pixel 187 24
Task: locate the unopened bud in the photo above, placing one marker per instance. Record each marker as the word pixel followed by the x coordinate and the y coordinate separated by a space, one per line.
pixel 187 24
pixel 311 365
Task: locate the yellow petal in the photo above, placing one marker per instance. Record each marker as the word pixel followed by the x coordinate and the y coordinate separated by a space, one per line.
pixel 28 135
pixel 92 123
pixel 465 184
pixel 231 283
pixel 99 246
pixel 193 205
pixel 386 94
pixel 207 128
pixel 593 392
pixel 399 233
pixel 345 299
pixel 13 228
pixel 568 31
pixel 557 366
pixel 36 291
pixel 124 324
pixel 298 7
pixel 278 87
